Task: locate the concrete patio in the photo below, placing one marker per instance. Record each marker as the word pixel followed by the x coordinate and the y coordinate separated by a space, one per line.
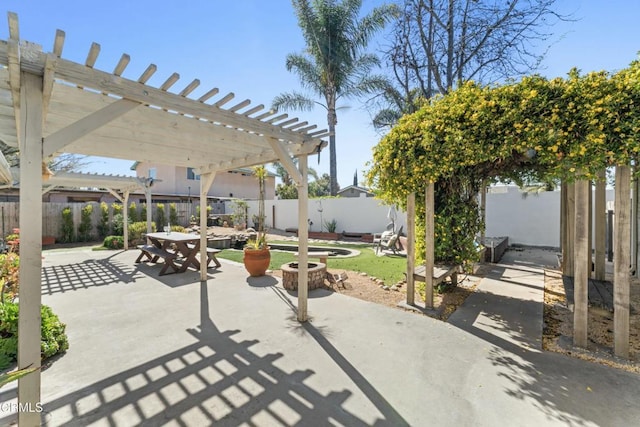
pixel 171 350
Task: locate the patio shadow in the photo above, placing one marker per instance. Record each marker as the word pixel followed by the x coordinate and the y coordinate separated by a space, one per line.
pixel 217 379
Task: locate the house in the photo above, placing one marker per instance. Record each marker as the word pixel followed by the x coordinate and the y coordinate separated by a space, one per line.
pixel 355 191
pixel 175 183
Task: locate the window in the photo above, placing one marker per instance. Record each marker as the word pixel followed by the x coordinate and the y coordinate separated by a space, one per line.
pixel 191 175
pixel 152 173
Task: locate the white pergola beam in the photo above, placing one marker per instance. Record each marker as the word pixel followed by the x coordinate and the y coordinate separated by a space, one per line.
pixel 286 161
pixel 58 140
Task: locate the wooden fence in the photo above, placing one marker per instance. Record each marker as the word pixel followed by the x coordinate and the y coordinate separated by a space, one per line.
pixel 52 215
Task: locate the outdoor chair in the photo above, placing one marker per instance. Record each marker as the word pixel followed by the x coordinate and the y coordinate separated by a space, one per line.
pixel 389 240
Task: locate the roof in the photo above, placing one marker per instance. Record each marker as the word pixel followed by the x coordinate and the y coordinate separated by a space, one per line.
pixel 357 188
pixel 93 112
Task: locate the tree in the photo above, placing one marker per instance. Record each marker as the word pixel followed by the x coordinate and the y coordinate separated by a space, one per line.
pixel 439 44
pixel 319 187
pixel 334 63
pixel 66 162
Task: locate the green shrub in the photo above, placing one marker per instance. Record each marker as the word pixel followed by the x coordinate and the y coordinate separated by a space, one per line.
pixel 113 242
pixel 143 212
pixel 85 227
pixel 53 339
pixel 161 218
pixel 137 229
pixel 173 214
pixel 68 231
pixel 117 225
pixel 12 236
pixel 117 208
pixel 178 228
pixel 133 212
pixel 103 226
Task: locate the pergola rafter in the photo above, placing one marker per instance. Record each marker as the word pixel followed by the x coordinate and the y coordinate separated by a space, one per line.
pixel 51 105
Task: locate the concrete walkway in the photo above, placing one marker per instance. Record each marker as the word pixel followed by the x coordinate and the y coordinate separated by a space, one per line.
pixel 171 350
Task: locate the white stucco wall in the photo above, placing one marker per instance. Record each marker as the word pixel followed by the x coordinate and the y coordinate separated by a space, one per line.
pixel 363 214
pixel 534 220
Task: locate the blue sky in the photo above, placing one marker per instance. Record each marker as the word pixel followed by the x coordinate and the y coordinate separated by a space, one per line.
pixel 240 46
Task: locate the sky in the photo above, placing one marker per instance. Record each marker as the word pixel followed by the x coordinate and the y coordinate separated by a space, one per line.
pixel 240 46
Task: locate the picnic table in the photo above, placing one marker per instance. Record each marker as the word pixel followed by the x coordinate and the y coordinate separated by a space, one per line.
pixel 173 245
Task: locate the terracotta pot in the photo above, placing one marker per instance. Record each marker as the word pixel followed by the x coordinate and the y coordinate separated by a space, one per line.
pixel 256 261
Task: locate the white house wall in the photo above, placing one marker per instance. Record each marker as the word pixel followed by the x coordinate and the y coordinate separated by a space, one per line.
pixel 173 180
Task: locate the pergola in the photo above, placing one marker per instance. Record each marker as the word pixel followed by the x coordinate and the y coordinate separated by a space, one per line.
pixel 50 105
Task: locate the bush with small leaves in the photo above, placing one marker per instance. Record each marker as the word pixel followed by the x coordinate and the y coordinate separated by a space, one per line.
pixel 113 242
pixel 68 230
pixel 53 339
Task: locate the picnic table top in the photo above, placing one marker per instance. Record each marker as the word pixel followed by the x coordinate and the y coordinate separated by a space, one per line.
pixel 174 236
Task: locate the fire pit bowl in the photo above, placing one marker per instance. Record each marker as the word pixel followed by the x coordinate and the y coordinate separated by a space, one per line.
pixel 316 274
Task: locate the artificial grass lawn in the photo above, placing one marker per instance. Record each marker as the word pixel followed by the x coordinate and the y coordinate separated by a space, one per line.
pixel 390 268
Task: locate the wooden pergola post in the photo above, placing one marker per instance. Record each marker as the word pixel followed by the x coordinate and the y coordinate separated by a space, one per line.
pixel 303 240
pixel 30 138
pixel 206 180
pixel 622 261
pixel 634 225
pixel 125 219
pixel 569 263
pixel 600 217
pixel 563 225
pixel 429 245
pixel 411 247
pixel 582 263
pixel 147 196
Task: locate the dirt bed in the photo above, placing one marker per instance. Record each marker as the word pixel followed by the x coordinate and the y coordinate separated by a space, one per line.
pixel 558 327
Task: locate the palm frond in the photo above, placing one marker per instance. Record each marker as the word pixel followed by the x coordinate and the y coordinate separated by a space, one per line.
pixel 293 101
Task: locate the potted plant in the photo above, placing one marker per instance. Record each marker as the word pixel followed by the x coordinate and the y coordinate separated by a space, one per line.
pixel 256 252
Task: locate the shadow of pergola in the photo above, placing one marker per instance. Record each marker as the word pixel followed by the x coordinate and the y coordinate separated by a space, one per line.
pixel 216 380
pixel 86 274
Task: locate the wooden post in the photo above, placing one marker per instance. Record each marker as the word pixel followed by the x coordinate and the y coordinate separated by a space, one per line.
pixel 30 139
pixel 571 216
pixel 429 244
pixel 621 262
pixel 634 226
pixel 590 229
pixel 563 226
pixel 581 276
pixel 411 247
pixel 206 180
pixel 303 240
pixel 600 215
pixel 125 219
pixel 147 195
pixel 483 210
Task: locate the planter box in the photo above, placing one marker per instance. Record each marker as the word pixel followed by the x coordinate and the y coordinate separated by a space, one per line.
pixel 323 235
pixel 48 240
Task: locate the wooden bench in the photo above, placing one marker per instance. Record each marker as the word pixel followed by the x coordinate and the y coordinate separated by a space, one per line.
pixel 321 255
pixel 153 253
pixel 211 255
pixel 440 273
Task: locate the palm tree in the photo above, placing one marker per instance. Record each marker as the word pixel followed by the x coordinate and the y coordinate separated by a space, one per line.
pixel 334 63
